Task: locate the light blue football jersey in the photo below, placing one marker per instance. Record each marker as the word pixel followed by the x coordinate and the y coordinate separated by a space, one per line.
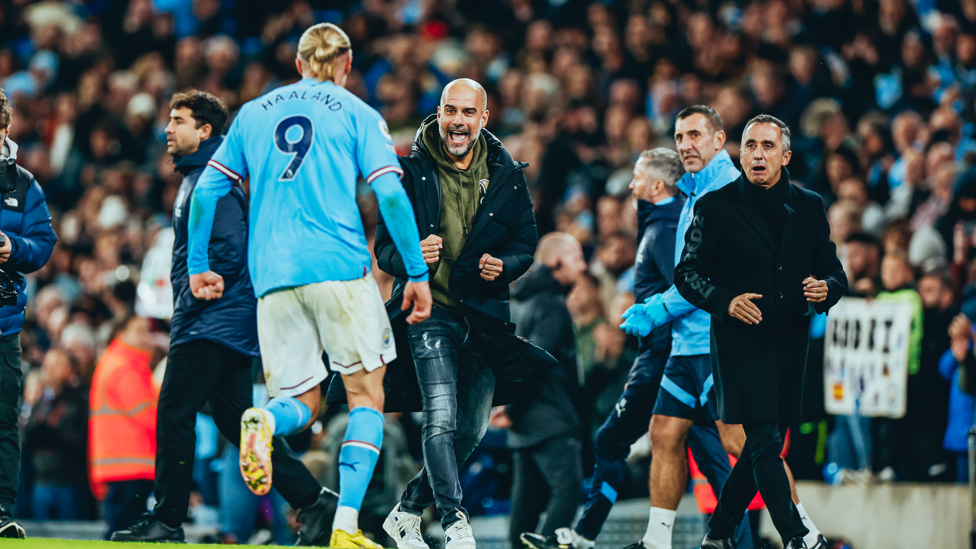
pixel 302 146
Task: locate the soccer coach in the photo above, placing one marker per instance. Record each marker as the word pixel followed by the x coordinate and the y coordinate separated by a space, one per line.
pixel 759 259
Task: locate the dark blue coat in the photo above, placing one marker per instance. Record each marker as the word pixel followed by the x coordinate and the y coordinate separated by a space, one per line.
pixel 654 267
pixel 26 221
pixel 232 319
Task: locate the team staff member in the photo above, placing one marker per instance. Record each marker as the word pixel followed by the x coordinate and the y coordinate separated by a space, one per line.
pixel 25 225
pixel 544 430
pixel 212 344
pixel 759 259
pixel 475 218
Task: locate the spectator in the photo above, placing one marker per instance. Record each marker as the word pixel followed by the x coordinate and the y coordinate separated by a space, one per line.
pixel 122 428
pixel 961 403
pixel 54 437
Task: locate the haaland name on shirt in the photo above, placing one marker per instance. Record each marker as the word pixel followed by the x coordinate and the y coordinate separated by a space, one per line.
pixel 326 99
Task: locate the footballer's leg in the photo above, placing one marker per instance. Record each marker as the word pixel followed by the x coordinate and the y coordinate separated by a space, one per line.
pixel 292 358
pixel 355 331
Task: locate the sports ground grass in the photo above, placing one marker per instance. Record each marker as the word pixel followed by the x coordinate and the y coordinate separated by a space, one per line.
pixel 48 543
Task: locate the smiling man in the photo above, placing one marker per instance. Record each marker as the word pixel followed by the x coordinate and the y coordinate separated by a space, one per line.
pixel 475 216
pixel 758 258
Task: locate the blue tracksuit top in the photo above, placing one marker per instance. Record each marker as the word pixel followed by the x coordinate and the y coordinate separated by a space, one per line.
pixel 691 327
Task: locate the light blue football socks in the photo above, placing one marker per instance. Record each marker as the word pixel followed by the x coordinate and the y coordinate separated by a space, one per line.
pixel 290 415
pixel 357 459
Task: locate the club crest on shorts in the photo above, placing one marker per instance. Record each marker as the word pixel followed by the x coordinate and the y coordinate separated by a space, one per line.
pixel 387 338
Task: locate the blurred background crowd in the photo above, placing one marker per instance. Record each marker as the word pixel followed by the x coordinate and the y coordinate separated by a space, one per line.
pixel 881 96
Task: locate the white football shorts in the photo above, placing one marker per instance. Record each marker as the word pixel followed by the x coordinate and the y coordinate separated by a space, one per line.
pixel 346 318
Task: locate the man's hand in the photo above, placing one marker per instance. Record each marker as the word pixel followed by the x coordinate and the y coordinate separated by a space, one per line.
pixel 640 319
pixel 815 290
pixel 431 248
pixel 5 250
pixel 499 418
pixel 961 328
pixel 744 309
pixel 960 348
pixel 207 286
pixel 490 267
pixel 417 295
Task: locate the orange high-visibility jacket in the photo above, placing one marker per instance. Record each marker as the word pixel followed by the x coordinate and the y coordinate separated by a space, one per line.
pixel 122 423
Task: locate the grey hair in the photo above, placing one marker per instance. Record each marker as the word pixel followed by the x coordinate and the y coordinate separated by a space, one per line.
pixel 784 130
pixel 663 163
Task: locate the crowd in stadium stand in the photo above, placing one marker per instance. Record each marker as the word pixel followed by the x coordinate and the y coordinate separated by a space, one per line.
pixel 881 96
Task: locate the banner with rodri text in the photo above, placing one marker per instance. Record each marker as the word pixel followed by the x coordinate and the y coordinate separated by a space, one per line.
pixel 866 358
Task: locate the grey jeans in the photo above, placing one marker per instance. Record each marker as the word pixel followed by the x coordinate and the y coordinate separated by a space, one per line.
pixel 456 388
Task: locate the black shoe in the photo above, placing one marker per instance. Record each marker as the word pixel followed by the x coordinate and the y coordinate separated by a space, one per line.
pixel 150 529
pixel 316 519
pixel 535 541
pixel 797 543
pixel 821 543
pixel 9 528
pixel 638 545
pixel 722 543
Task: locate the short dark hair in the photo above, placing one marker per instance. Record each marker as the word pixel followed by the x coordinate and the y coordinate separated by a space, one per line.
pixel 770 119
pixel 943 275
pixel 6 111
pixel 206 108
pixel 714 120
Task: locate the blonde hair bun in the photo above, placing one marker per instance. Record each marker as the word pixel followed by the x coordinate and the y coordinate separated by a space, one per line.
pixel 320 48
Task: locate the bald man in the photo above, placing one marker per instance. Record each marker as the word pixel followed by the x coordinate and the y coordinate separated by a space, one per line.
pixel 544 430
pixel 478 235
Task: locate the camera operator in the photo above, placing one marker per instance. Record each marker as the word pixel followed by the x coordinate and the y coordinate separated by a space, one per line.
pixel 26 242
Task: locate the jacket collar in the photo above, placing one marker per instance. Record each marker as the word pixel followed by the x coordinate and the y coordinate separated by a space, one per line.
pixel 9 149
pixel 709 178
pixel 198 158
pixel 750 211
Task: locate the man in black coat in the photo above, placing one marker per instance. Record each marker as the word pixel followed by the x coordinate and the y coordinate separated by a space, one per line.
pixel 212 346
pixel 758 258
pixel 544 429
pixel 478 232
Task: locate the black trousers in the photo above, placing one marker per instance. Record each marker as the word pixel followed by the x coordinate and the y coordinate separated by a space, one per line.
pixel 10 391
pixel 199 372
pixel 759 467
pixel 547 477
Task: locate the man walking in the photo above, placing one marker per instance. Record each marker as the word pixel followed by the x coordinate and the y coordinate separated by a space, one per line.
pixel 659 204
pixel 475 216
pixel 212 344
pixel 26 243
pixel 759 259
pixel 686 395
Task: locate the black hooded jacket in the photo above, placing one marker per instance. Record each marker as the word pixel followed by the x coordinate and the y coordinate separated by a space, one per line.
pixel 539 310
pixel 504 227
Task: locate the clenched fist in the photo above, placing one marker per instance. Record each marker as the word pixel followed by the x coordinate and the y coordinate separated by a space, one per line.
pixel 431 248
pixel 491 267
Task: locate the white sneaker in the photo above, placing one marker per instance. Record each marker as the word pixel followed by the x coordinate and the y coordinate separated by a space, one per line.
pixel 459 535
pixel 572 537
pixel 404 528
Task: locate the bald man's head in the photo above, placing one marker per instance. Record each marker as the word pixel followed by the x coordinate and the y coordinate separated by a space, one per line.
pixel 462 114
pixel 563 255
pixel 466 85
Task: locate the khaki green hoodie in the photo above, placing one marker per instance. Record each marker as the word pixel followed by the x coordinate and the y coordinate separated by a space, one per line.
pixel 461 194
